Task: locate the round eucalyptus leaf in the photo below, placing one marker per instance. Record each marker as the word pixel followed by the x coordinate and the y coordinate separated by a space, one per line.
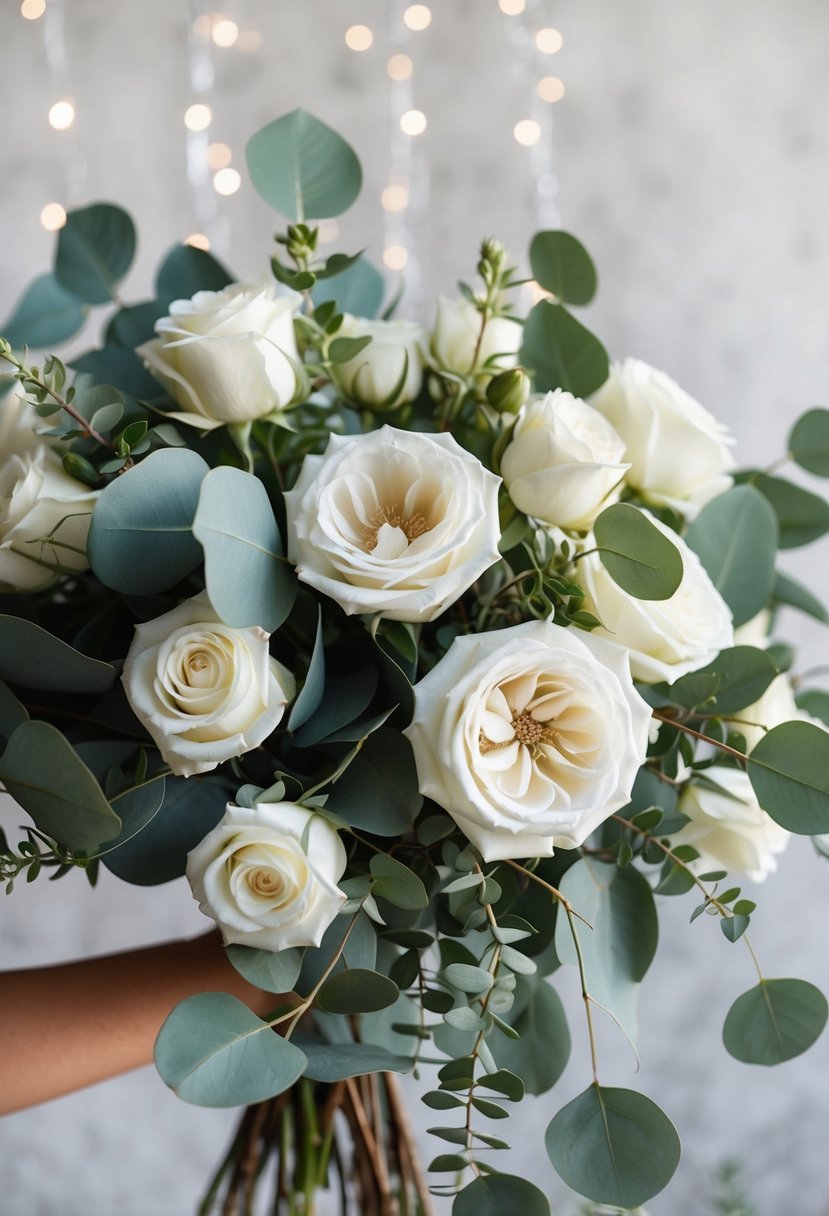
pixel 357 990
pixel 334 1061
pixel 378 792
pixel 270 970
pixel 809 442
pixel 122 368
pixel 249 581
pixel 614 1146
pixel 561 352
pixel 497 1194
pixel 186 270
pixel 540 1055
pixel 562 265
pixel 735 537
pixel 46 315
pixel 774 1021
pixel 141 538
pixel 214 1052
pixel 359 290
pixel 789 771
pixel 636 555
pixel 743 673
pixel 802 516
pixel 96 246
pixel 303 168
pixel 36 659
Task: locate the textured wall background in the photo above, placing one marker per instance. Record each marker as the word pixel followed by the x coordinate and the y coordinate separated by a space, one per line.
pixel 691 147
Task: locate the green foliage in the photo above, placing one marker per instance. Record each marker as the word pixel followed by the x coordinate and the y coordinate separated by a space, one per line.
pixel 562 265
pixel 789 770
pixel 311 693
pixel 332 1062
pixel 303 168
pixel 141 539
pixel 96 247
pixel 540 1055
pixel 397 884
pixel 46 315
pixel 613 1145
pixel 775 1021
pixel 42 771
pixel 802 517
pixel 357 990
pixel 792 593
pixel 561 352
pixel 809 442
pixel 738 677
pixel 214 1052
pixel 497 1194
pixel 270 970
pixel 379 791
pixel 636 555
pixel 36 659
pixel 359 290
pixel 735 537
pixel 186 270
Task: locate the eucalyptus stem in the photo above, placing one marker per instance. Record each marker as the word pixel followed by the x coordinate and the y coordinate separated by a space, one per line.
pixel 689 730
pixel 34 374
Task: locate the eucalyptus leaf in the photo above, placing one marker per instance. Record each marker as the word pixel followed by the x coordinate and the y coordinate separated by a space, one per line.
pixel 303 168
pixel 249 581
pixel 636 555
pixel 140 539
pixel 561 352
pixel 499 1194
pixel 46 315
pixel 344 699
pixel 96 247
pixel 214 1052
pixel 12 712
pixel 357 991
pixel 562 265
pixel 36 659
pixel 119 367
pixel 397 884
pixel 332 1062
pixel 744 673
pixel 186 270
pixel 379 790
pixel 359 290
pixel 614 1146
pixel 540 1055
pixel 42 771
pixel 311 693
pixel 270 970
pixel 735 537
pixel 789 771
pixel 775 1021
pixel 793 594
pixel 809 442
pixel 802 516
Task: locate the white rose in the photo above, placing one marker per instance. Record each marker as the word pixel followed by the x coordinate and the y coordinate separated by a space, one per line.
pixel 205 692
pixel 459 347
pixel 371 377
pixel 395 522
pixel 754 632
pixel 225 356
pixel 38 499
pixel 266 883
pixel 529 737
pixel 776 706
pixel 563 464
pixel 666 638
pixel 729 830
pixel 679 454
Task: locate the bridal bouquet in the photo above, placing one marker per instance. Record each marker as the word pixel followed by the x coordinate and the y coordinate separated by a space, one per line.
pixel 435 659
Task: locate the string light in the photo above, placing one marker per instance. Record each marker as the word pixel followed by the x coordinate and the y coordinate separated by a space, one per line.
pixel 527 132
pixel 62 115
pixel 225 32
pixel 198 240
pixel 227 181
pixel 329 230
pixel 52 217
pixel 358 37
pixel 395 257
pixel 549 41
pixel 413 122
pixel 219 156
pixel 417 17
pixel 32 9
pixel 550 88
pixel 399 67
pixel 395 197
pixel 198 117
pixel 512 8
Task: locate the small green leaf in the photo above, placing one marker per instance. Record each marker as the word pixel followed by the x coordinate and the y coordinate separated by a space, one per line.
pixel 96 247
pixel 562 265
pixel 505 1082
pixel 789 772
pixel 498 1195
pixel 272 971
pixel 734 927
pixel 774 1021
pixel 397 884
pixel 636 554
pixel 614 1146
pixel 473 980
pixel 303 168
pixel 342 350
pixel 357 990
pixel 809 442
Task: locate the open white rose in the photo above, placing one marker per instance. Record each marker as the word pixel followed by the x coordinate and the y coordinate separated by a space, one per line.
pixel 529 737
pixel 563 464
pixel 263 884
pixel 395 522
pixel 225 356
pixel 38 500
pixel 371 377
pixel 729 830
pixel 459 347
pixel 666 638
pixel 680 455
pixel 205 691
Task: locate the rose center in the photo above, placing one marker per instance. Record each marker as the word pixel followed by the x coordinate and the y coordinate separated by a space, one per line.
pixel 266 882
pixel 527 730
pixel 411 526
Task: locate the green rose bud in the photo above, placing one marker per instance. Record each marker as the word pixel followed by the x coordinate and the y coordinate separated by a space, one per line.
pixel 508 391
pixel 80 468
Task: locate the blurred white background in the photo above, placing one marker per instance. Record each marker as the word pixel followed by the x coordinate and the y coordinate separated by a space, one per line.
pixel 688 148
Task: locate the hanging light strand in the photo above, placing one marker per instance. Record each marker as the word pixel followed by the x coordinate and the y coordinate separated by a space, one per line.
pixel 534 40
pixel 208 224
pixel 62 112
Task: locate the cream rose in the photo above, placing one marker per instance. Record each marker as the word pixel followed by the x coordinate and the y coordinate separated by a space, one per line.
pixel 205 692
pixel 680 456
pixel 268 875
pixel 44 513
pixel 666 638
pixel 226 356
pixel 729 830
pixel 529 737
pixel 563 464
pixel 457 344
pixel 371 377
pixel 395 522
